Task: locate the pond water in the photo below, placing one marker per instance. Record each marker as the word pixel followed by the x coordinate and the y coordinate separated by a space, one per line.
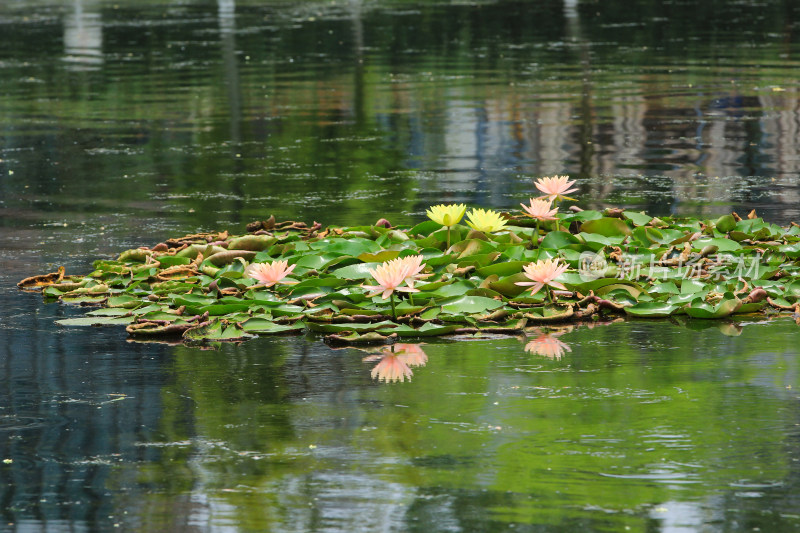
pixel 124 123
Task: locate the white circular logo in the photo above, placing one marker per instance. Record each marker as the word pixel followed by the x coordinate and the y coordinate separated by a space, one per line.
pixel 591 266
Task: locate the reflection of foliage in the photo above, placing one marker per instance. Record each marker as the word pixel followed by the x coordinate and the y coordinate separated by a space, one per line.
pixel 643 414
pixel 225 410
pixel 312 121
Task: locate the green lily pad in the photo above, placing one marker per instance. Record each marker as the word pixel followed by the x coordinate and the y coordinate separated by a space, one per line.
pixel 364 339
pixel 379 257
pixel 262 326
pixel 648 236
pixel 548 313
pixel 701 309
pixel 472 247
pixel 606 226
pixel 502 269
pixel 172 260
pixel 96 321
pixel 470 304
pixel 725 223
pixel 124 300
pixel 558 239
pixel 651 309
pixel 357 271
pixel 426 330
pixel 753 307
pixel 638 219
pixel 723 245
pixel 216 331
pixel 351 246
pixel 329 327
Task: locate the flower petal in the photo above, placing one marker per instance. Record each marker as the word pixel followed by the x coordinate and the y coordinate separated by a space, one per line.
pixel 536 288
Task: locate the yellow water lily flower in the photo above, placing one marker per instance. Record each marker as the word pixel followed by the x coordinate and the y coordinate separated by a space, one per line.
pixel 485 220
pixel 447 215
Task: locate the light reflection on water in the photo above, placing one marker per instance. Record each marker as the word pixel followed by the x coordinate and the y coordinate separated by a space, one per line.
pixel 613 433
pixel 199 109
pixel 128 122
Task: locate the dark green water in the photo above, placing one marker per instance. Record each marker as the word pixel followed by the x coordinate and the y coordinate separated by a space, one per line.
pixel 124 123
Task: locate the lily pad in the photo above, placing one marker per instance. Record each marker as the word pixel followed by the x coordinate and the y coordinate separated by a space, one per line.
pixel 96 321
pixel 651 309
pixel 701 309
pixel 638 219
pixel 262 326
pixel 558 239
pixel 645 268
pixel 606 226
pixel 357 271
pixel 470 304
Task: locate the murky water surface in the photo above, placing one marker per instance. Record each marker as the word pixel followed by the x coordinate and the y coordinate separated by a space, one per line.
pixel 127 122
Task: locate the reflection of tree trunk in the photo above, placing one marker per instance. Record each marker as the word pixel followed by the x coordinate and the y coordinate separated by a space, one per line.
pixel 358 45
pixel 585 135
pixel 227 27
pixel 83 37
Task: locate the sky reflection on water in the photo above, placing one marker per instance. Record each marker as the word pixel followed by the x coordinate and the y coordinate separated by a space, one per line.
pixel 214 114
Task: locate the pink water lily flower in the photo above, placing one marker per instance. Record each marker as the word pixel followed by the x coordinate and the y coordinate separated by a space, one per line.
pixel 391 274
pixel 556 187
pixel 542 273
pixel 270 273
pixel 540 209
pixel 547 346
pixel 415 266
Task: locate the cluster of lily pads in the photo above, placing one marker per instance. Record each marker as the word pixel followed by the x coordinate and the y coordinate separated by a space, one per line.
pixel 379 283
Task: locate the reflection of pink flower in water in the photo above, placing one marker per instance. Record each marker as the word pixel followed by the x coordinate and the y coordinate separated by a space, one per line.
pixel 411 354
pixel 395 362
pixel 391 368
pixel 547 346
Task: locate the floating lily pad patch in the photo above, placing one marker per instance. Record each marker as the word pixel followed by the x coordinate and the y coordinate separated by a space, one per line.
pixel 500 273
